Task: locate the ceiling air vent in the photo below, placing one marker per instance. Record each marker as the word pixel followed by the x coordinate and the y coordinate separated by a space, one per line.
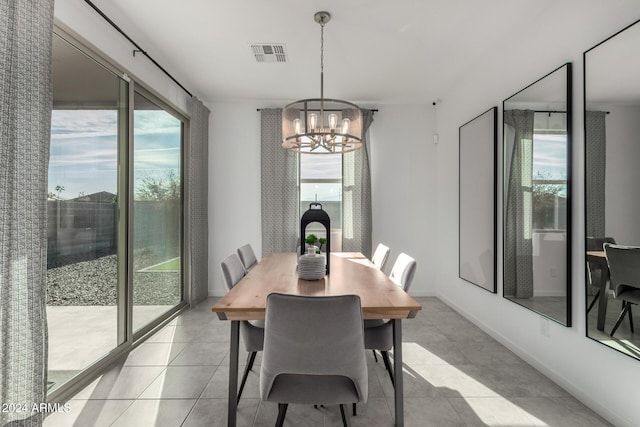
pixel 268 52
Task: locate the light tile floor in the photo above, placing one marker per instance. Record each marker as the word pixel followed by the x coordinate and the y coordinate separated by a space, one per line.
pixel 455 375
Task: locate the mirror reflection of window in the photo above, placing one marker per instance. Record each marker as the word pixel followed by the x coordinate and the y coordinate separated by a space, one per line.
pixel 549 171
pixel 537 138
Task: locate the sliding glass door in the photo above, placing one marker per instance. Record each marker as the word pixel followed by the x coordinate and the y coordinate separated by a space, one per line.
pixel 157 211
pixel 88 124
pixel 114 206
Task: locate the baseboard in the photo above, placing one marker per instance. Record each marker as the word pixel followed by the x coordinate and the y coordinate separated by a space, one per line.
pixel 545 369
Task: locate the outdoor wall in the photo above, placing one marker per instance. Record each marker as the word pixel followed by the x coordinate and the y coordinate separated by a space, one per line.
pixel 605 380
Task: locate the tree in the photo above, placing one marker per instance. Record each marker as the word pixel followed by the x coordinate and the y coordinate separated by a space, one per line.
pixel 545 198
pixel 154 188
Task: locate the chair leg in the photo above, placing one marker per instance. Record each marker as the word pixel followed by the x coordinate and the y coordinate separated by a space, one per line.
pixel 282 412
pixel 251 357
pixel 345 417
pixel 625 308
pixel 387 364
pixel 375 356
pixel 354 409
pixel 593 302
pixel 631 319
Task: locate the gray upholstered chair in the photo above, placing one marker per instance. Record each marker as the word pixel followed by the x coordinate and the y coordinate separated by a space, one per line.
pixel 247 256
pixel 378 334
pixel 624 269
pixel 251 331
pixel 313 352
pixel 594 271
pixel 380 256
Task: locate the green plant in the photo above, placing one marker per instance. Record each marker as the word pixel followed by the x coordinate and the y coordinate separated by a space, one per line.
pixel 322 242
pixel 311 239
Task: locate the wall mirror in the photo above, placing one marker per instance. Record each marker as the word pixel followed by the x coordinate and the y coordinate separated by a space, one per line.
pixel 612 175
pixel 478 139
pixel 536 196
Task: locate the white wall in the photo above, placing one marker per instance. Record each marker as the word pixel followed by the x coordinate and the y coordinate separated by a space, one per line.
pixel 404 187
pixel 81 19
pixel 622 174
pixel 234 183
pixel 602 378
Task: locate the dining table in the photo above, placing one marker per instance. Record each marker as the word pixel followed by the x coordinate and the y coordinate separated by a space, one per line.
pixel 351 273
pixel 599 258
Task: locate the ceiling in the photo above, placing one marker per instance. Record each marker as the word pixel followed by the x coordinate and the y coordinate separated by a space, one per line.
pixel 376 51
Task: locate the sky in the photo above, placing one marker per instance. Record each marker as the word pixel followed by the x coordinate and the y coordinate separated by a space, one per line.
pixel 550 156
pixel 83 153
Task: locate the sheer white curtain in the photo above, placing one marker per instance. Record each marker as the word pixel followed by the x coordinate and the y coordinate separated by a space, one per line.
pixel 356 195
pixel 25 121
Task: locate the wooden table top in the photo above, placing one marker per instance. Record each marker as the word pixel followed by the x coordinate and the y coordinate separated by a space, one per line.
pixel 351 273
pixel 599 254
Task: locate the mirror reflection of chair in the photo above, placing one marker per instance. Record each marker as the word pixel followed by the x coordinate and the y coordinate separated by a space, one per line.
pixel 380 256
pixel 378 333
pixel 624 269
pixel 594 271
pixel 247 256
pixel 251 331
pixel 329 369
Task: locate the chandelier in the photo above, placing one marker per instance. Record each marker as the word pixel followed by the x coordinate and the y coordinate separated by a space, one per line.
pixel 319 125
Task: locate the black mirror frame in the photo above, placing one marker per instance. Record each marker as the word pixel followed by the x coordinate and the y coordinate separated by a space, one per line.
pixel 570 189
pixel 586 190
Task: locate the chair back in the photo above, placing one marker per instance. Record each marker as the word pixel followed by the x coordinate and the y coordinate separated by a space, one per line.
pixel 232 270
pixel 247 256
pixel 624 267
pixel 313 336
pixel 403 270
pixel 380 256
pixel 593 270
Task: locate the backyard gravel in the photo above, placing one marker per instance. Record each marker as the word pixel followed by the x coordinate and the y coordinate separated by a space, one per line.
pixel 94 282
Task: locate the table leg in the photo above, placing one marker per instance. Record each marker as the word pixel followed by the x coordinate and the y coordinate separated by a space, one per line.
pixel 603 297
pixel 233 374
pixel 397 372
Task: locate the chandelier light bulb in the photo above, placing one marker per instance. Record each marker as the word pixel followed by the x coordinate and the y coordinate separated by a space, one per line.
pixel 297 124
pixel 333 121
pixel 313 121
pixel 345 125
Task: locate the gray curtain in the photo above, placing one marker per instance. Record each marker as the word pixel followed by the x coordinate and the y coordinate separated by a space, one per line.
pixel 596 162
pixel 518 220
pixel 198 200
pixel 356 195
pixel 25 122
pixel 279 168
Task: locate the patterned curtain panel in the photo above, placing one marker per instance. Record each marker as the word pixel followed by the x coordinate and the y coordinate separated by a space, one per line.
pixel 198 200
pixel 356 195
pixel 518 220
pixel 280 222
pixel 25 121
pixel 596 165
